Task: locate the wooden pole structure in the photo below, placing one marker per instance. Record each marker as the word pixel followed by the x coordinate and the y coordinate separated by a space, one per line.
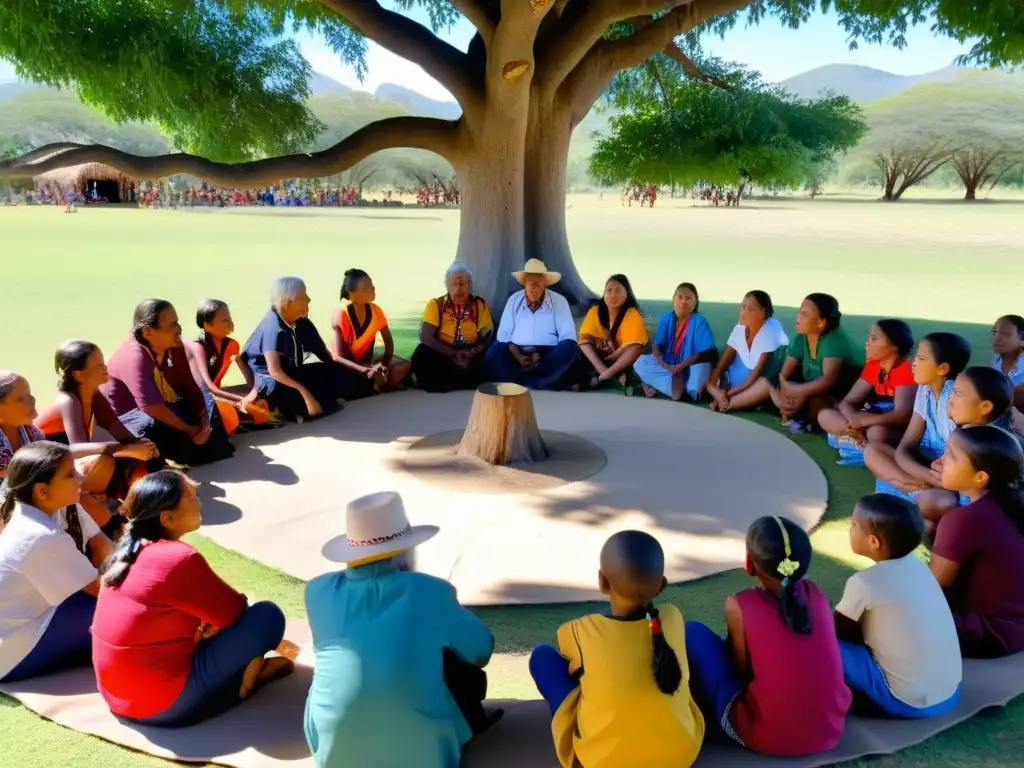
pixel 502 427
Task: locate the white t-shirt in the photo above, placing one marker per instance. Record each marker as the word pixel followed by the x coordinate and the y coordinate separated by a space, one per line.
pixel 908 627
pixel 40 568
pixel 768 339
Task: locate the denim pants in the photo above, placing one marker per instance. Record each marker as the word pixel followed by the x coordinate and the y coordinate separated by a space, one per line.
pixel 218 665
pixel 555 370
pixel 871 690
pixel 65 643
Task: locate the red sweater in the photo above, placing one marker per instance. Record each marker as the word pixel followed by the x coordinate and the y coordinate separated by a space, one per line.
pixel 144 630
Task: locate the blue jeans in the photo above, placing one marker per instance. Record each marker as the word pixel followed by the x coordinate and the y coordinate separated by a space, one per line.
pixel 714 681
pixel 550 671
pixel 553 372
pixel 218 665
pixel 65 643
pixel 867 681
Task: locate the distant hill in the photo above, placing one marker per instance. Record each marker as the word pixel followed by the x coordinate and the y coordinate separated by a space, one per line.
pixel 322 85
pixel 861 84
pixel 417 103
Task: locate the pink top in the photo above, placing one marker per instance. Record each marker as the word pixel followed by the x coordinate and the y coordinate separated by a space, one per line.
pixel 797 701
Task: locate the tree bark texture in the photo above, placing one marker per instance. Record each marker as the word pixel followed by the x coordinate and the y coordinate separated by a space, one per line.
pixel 529 77
pixel 502 427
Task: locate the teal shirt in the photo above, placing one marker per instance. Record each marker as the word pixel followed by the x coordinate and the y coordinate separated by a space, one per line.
pixel 378 696
pixel 832 344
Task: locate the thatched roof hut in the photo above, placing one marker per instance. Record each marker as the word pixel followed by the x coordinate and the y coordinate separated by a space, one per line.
pixel 109 182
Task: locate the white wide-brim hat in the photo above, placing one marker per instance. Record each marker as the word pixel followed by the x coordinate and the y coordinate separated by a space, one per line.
pixel 376 525
pixel 537 267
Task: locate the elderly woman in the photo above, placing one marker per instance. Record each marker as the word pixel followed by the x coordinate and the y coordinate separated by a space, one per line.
pixel 454 335
pixel 151 389
pixel 276 352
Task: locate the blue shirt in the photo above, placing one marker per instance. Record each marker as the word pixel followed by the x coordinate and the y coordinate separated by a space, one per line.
pixel 293 343
pixel 1016 376
pixel 549 325
pixel 378 696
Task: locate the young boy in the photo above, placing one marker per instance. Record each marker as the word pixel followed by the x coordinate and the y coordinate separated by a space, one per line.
pixel 896 634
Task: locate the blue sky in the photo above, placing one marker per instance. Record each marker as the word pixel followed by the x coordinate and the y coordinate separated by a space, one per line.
pixel 770 48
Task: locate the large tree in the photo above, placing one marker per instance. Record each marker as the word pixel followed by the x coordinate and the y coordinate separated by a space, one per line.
pixel 227 86
pixel 726 127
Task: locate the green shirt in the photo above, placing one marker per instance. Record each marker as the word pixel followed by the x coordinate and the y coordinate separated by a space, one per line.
pixel 834 344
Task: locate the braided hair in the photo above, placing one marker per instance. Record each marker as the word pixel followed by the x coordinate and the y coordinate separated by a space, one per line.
pixel 148 498
pixel 668 675
pixel 36 463
pixel 781 549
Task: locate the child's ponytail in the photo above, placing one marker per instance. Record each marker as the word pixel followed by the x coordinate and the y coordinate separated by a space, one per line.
pixel 667 672
pixel 780 549
pixel 32 464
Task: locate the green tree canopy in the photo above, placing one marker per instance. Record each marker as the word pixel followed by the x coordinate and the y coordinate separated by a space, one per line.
pixel 725 128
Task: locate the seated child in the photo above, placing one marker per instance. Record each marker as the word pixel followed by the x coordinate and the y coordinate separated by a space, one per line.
pixel 896 634
pixel 978 556
pixel 399 678
pixel 210 358
pixel 980 396
pixel 683 350
pixel 775 684
pixel 608 708
pixel 907 469
pixel 355 334
pixel 48 585
pixel 1008 353
pixel 173 644
pixel 879 406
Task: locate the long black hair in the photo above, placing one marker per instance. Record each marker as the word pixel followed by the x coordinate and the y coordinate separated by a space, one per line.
pixel 761 297
pixel 71 358
pixel 631 303
pixel 951 349
pixel 781 549
pixel 997 453
pixel 148 498
pixel 898 333
pixel 828 309
pixel 147 315
pixel 352 278
pixel 991 385
pixel 33 464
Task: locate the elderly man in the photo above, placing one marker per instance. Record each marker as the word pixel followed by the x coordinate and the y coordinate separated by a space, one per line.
pixel 536 341
pixel 454 335
pixel 276 352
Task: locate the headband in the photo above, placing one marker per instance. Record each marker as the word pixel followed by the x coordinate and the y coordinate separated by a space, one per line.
pixel 787 567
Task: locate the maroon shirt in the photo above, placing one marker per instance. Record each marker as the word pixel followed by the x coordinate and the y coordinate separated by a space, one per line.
pixel 988 596
pixel 134 384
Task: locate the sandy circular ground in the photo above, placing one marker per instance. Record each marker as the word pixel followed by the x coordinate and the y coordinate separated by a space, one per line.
pixel 692 478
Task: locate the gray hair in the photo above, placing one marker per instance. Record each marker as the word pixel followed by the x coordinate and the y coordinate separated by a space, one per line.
pixel 285 290
pixel 7 381
pixel 457 268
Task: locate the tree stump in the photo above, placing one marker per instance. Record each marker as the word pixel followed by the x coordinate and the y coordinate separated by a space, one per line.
pixel 502 427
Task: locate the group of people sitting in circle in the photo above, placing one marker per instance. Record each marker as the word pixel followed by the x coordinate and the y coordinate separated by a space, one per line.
pixel 93 568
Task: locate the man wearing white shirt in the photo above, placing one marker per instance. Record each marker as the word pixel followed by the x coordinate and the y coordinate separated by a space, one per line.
pixel 536 340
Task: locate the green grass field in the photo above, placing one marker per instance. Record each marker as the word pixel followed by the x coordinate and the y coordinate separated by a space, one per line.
pixel 938 264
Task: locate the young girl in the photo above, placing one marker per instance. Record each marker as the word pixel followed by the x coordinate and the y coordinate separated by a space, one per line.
pixel 618 684
pixel 978 556
pixel 750 352
pixel 210 358
pixel 879 406
pixel 612 335
pixel 80 407
pixel 355 332
pixel 683 351
pixel 48 585
pixel 172 643
pixel 1008 353
pixel 814 369
pixel 907 469
pixel 775 684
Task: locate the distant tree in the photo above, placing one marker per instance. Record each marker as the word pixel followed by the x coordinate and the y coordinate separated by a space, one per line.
pixel 980 165
pixel 908 164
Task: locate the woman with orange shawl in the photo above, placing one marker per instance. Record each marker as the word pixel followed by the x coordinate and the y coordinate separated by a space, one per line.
pixel 356 326
pixel 210 358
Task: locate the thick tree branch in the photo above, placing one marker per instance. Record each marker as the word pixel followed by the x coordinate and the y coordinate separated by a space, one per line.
pixel 477 15
pixel 408 39
pixel 694 72
pixel 440 136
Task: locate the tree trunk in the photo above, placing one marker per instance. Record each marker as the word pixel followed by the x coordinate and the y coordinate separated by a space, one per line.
pixel 502 427
pixel 972 192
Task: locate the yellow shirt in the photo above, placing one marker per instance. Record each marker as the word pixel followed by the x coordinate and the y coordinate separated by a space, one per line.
pixel 618 717
pixel 631 330
pixel 446 325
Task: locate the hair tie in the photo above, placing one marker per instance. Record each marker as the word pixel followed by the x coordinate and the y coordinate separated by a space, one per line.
pixel 135 547
pixel 787 567
pixel 655 623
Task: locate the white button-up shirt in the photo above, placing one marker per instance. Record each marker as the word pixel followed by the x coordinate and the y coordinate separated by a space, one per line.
pixel 549 325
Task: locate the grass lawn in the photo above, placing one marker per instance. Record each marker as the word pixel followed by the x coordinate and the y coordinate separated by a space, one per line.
pixel 937 264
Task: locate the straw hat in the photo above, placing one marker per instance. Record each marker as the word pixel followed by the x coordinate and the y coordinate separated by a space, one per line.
pixel 376 525
pixel 537 267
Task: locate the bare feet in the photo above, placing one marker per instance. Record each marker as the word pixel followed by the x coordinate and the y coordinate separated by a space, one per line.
pixel 261 672
pixel 250 677
pixel 650 391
